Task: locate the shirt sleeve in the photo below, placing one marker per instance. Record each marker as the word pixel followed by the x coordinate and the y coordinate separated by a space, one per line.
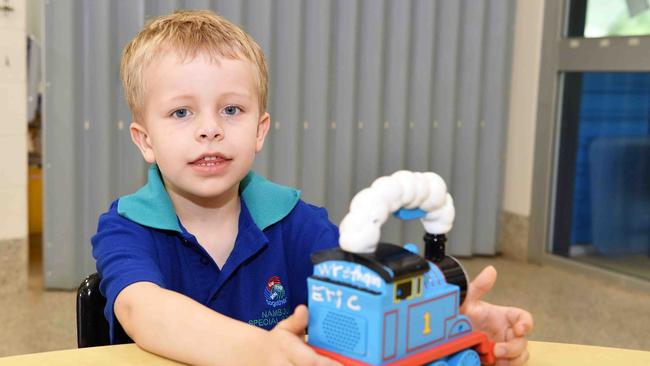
pixel 311 231
pixel 125 254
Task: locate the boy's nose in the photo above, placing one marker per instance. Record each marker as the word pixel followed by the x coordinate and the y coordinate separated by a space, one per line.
pixel 212 131
pixel 209 135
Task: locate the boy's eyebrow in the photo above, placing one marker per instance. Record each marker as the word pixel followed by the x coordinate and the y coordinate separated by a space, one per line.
pixel 182 96
pixel 228 94
pixel 236 94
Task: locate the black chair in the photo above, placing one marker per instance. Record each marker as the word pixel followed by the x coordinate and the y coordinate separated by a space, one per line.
pixel 92 327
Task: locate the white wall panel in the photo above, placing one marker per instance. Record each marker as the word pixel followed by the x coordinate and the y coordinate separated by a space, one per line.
pixel 13 56
pixel 13 161
pixel 13 97
pixel 14 212
pixel 13 127
pixel 16 17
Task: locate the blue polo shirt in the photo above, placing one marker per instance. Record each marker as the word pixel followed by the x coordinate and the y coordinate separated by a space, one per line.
pixel 140 238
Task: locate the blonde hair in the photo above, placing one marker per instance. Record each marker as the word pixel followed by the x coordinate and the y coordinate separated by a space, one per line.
pixel 187 32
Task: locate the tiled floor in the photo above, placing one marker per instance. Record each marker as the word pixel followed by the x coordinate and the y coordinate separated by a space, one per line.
pixel 570 307
pixel 567 308
pixel 35 320
pixel 632 265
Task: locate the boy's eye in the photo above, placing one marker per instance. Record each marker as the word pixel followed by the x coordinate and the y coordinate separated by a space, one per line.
pixel 231 110
pixel 181 113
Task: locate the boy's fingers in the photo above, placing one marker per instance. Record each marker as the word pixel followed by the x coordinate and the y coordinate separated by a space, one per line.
pixel 296 322
pixel 324 361
pixel 482 284
pixel 517 361
pixel 302 354
pixel 521 320
pixel 520 360
pixel 510 349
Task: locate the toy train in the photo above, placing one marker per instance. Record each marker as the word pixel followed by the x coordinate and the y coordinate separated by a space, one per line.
pixel 391 306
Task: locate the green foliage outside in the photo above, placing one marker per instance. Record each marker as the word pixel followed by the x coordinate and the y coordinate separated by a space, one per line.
pixel 606 18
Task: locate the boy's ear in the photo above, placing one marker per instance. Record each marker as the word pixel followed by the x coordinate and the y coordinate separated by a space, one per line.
pixel 262 130
pixel 141 139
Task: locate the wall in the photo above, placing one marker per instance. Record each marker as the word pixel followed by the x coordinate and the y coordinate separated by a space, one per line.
pixel 524 86
pixel 13 149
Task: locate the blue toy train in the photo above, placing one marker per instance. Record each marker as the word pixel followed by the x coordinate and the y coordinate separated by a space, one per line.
pixel 393 307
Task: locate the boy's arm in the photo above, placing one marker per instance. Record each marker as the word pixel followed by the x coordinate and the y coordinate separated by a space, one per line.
pixel 174 326
pixel 310 231
pixel 171 324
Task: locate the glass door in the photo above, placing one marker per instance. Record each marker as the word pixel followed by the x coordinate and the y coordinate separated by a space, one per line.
pixel 601 208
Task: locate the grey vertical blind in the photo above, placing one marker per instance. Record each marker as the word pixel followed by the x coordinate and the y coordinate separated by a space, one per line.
pixel 358 89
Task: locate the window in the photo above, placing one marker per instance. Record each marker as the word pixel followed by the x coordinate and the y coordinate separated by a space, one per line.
pixel 602 214
pixel 591 199
pixel 606 18
pixel 403 290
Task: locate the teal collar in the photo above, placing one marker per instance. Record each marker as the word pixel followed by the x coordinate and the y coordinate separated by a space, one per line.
pixel 151 206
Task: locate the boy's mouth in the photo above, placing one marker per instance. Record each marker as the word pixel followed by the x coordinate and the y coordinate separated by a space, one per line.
pixel 208 160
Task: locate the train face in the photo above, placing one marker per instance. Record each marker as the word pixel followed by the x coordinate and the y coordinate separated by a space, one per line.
pixel 381 307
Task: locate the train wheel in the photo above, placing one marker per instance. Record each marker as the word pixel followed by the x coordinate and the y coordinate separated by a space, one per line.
pixel 467 357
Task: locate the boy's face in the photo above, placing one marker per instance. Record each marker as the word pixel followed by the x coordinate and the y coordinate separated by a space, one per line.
pixel 201 123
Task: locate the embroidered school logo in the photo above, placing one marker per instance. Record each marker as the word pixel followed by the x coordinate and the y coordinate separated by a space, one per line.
pixel 274 292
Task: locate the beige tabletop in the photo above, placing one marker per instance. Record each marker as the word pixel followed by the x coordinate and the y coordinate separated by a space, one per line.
pixel 542 354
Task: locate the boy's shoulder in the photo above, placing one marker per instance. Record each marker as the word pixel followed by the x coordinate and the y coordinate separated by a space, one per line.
pixel 267 203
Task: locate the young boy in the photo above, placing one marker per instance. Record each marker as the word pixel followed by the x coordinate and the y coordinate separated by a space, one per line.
pixel 204 262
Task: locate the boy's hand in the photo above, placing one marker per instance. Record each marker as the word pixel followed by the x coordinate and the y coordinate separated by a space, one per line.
pixel 507 326
pixel 288 338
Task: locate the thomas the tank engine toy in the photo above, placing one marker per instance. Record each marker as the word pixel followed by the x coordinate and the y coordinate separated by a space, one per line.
pixel 374 303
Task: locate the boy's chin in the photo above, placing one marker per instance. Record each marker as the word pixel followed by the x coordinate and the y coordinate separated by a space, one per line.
pixel 216 191
pixel 206 193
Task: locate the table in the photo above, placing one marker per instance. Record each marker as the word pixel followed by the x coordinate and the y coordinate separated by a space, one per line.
pixel 542 354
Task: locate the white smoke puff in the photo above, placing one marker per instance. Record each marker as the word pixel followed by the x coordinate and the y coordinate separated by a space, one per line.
pixel 391 191
pixel 370 202
pixel 358 233
pixel 441 220
pixel 361 228
pixel 421 190
pixel 406 180
pixel 437 192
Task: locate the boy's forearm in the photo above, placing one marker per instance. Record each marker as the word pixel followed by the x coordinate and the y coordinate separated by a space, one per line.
pixel 173 325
